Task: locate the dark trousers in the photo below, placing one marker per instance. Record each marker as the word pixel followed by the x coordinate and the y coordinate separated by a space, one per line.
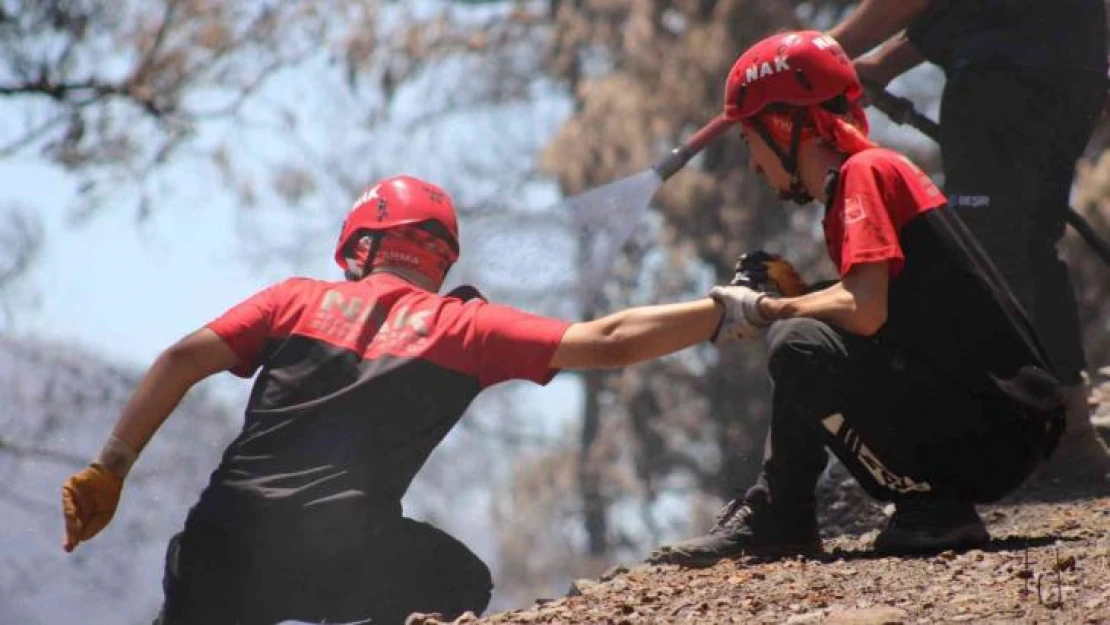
pixel 1010 139
pixel 215 577
pixel 899 427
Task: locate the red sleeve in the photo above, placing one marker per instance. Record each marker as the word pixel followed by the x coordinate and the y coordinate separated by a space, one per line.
pixel 245 326
pixel 514 345
pixel 862 222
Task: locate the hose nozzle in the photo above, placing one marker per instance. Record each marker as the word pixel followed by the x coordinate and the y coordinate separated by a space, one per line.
pixel 677 158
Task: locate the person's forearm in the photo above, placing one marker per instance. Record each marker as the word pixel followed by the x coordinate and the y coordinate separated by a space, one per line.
pixel 873 22
pixel 896 57
pixel 835 305
pixel 649 332
pixel 636 335
pixel 158 394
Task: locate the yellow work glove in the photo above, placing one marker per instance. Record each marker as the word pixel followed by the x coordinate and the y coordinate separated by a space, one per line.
pixel 89 500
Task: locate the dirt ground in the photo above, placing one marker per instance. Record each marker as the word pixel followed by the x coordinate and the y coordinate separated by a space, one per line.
pixel 1048 562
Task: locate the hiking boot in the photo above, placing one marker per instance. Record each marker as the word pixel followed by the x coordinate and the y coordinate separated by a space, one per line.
pixel 931 526
pixel 745 526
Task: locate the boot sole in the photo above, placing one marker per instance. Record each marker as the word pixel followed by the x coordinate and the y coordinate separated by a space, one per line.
pixel 908 547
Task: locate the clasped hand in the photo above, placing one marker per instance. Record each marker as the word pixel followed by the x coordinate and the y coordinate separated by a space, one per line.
pixel 757 274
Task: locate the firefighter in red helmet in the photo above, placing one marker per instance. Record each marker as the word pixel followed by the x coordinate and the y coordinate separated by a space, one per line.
pixel 356 382
pixel 916 368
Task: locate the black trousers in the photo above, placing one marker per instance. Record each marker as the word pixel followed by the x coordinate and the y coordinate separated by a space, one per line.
pixel 899 427
pixel 216 577
pixel 1010 138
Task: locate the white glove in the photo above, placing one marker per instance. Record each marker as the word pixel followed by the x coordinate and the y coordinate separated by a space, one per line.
pixel 742 320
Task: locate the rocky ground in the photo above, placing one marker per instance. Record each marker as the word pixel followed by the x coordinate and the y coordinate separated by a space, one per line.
pixel 1048 562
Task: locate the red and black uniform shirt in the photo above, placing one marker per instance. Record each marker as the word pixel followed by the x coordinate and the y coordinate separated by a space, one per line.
pixel 946 303
pixel 359 382
pixel 878 193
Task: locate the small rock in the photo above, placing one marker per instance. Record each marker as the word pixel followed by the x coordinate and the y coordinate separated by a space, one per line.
pixel 580 587
pixel 807 618
pixel 465 617
pixel 739 578
pixel 964 598
pixel 613 572
pixel 1064 564
pixel 420 618
pixel 879 615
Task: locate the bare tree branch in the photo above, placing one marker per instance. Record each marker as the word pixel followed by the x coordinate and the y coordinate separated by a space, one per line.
pixel 32 135
pixel 20 240
pixel 168 20
pixel 41 453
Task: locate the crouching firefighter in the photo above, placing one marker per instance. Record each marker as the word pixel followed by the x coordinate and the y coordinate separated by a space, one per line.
pixel 917 369
pixel 357 382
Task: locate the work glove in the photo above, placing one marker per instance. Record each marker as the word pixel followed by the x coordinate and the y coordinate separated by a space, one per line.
pixel 769 273
pixel 741 320
pixel 89 500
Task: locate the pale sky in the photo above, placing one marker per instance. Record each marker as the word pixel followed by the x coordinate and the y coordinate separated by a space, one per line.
pixel 126 290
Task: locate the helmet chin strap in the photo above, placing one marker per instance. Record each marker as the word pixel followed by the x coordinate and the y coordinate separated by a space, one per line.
pixel 797 192
pixel 354 272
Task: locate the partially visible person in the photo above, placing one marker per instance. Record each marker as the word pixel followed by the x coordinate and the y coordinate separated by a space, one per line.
pixel 357 382
pixel 1025 83
pixel 917 369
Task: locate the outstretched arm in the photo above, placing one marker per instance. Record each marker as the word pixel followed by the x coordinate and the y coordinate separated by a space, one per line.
pixel 90 497
pixel 874 21
pixel 636 335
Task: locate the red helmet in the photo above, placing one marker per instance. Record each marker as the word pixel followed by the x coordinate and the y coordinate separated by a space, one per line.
pixel 800 68
pixel 400 201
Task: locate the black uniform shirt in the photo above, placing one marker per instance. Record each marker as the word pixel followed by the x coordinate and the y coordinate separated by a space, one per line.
pixel 1046 34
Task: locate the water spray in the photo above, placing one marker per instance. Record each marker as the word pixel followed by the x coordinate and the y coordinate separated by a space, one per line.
pixel 609 215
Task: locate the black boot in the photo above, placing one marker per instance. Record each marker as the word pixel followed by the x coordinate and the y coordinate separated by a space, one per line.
pixel 750 525
pixel 931 526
